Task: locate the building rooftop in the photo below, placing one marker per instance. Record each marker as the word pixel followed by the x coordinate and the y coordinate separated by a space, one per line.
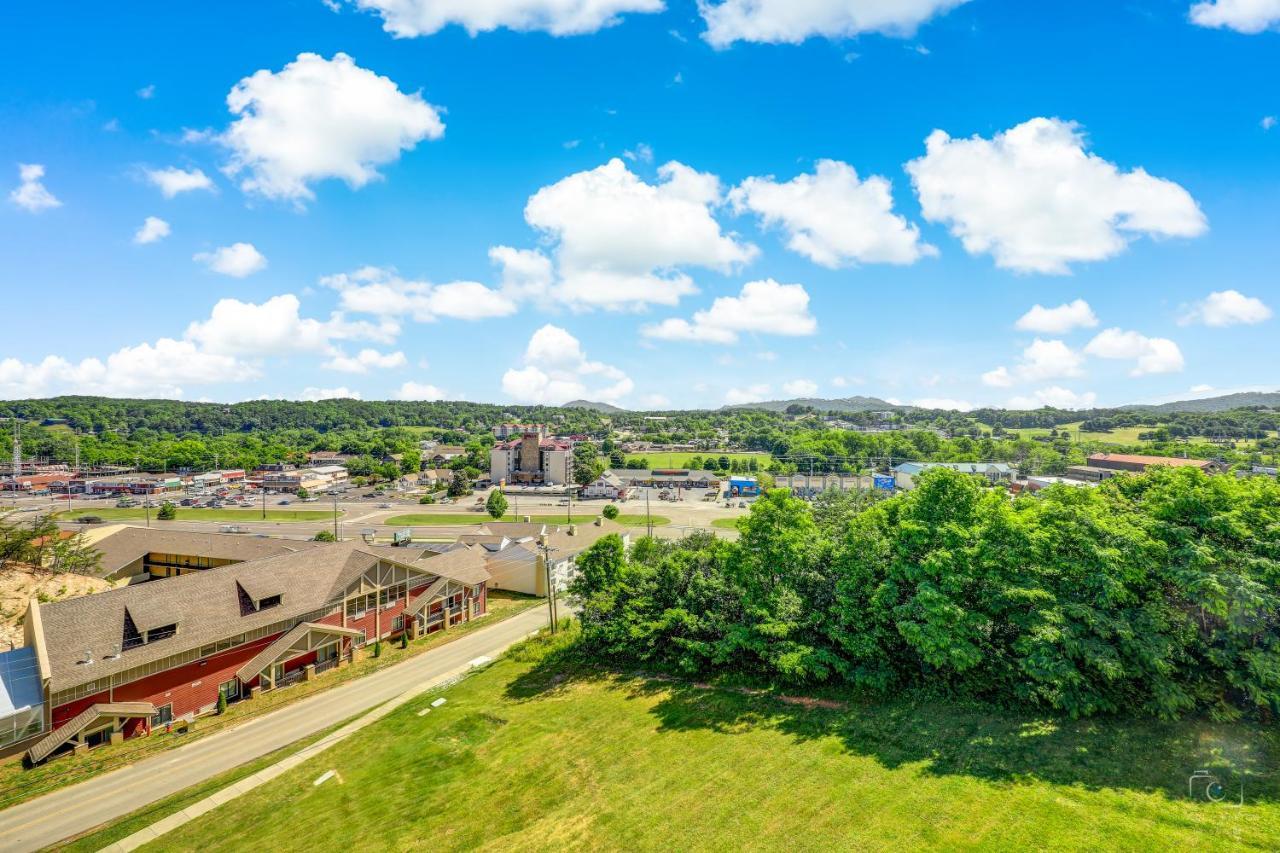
pixel 125 544
pixel 986 468
pixel 1136 459
pixel 207 606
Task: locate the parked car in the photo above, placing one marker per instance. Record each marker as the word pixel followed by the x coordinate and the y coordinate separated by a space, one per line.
pixel 284 502
pixel 384 506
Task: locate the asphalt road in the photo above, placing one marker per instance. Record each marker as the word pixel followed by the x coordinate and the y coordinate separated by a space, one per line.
pixel 70 811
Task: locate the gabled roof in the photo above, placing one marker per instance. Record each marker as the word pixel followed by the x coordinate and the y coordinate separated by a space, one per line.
pixel 206 605
pixel 1136 459
pixel 127 545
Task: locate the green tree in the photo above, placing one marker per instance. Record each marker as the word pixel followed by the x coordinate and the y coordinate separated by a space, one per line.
pixel 324 536
pixel 587 464
pixel 610 512
pixel 303 494
pixel 496 505
pixel 459 486
pixel 167 512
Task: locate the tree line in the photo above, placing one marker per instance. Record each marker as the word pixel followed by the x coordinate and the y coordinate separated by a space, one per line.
pixel 1156 594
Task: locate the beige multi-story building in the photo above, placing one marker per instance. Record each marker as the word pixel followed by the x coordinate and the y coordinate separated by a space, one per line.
pixel 532 460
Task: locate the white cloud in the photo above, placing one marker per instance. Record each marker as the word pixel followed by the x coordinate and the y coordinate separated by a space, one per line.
pixel 274 327
pixel 151 231
pixel 1150 355
pixel 1202 389
pixel 1244 16
pixel 765 307
pixel 318 119
pixel 943 403
pixel 1056 397
pixel 147 92
pixel 751 394
pixel 800 388
pixel 1227 308
pixel 366 360
pixel 656 401
pixel 846 381
pixel 834 218
pixel 556 370
pixel 620 241
pixel 642 153
pixel 1035 199
pixel 1040 360
pixel 1267 122
pixel 1060 320
pixel 527 274
pixel 407 18
pixel 237 260
pixel 146 370
pixel 173 181
pixel 312 394
pixel 30 194
pixel 793 21
pixel 419 391
pixel 378 291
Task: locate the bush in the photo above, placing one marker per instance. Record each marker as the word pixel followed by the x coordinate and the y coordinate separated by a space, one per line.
pixel 404 638
pixel 377 648
pixel 222 703
pixel 168 512
pixel 324 536
pixel 610 512
pixel 427 499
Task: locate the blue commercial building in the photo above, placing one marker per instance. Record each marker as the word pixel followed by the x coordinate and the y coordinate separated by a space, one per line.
pixel 745 487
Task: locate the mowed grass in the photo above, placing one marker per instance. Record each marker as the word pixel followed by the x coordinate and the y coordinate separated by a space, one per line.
pixel 138 513
pixel 726 523
pixel 680 460
pixel 534 755
pixel 455 519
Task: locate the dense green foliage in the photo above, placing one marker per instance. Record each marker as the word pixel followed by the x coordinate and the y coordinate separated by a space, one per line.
pixel 496 505
pixel 1157 594
pixel 39 542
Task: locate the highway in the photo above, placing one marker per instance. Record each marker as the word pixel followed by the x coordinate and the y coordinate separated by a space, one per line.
pixel 74 810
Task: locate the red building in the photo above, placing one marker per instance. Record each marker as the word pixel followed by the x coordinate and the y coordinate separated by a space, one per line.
pixel 121 662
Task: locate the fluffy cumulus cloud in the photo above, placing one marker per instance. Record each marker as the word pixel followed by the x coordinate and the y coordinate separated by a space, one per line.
pixel 793 21
pixel 152 230
pixel 275 327
pixel 800 388
pixel 945 403
pixel 378 291
pixel 765 307
pixel 419 391
pixel 237 260
pixel 31 194
pixel 833 217
pixel 312 394
pixel 556 370
pixel 620 242
pixel 172 181
pixel 366 360
pixel 1055 397
pixel 1149 355
pixel 750 394
pixel 1037 200
pixel 407 18
pixel 320 118
pixel 160 369
pixel 1059 320
pixel 1227 308
pixel 1244 16
pixel 1040 360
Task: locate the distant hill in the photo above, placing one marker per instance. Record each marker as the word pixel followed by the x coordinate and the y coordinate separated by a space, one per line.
pixel 604 408
pixel 839 404
pixel 1267 399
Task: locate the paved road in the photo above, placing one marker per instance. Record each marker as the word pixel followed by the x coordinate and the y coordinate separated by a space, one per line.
pixel 70 811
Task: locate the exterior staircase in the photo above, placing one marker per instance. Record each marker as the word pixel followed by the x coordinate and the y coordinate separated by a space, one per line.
pixel 44 747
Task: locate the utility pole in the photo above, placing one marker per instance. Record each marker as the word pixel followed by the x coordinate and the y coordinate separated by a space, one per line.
pixel 551 592
pixel 17 453
pixel 264 501
pixel 335 516
pixel 648 519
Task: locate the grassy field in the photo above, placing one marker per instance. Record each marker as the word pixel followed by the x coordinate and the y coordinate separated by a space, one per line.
pixel 453 519
pixel 530 754
pixel 230 516
pixel 725 523
pixel 679 460
pixel 18 784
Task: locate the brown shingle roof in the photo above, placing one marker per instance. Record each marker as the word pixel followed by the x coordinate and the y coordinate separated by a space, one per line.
pixel 206 605
pixel 1135 459
pixel 129 544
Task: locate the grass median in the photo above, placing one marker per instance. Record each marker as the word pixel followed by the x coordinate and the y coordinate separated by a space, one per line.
pixel 539 752
pixel 200 514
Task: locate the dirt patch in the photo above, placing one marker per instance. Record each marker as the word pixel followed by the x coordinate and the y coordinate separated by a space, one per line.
pixel 810 703
pixel 20 584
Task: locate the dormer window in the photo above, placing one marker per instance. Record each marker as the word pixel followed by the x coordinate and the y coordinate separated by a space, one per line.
pixel 269 601
pixel 141 631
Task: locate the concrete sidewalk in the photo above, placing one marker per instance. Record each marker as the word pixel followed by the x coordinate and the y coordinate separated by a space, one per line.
pixel 70 811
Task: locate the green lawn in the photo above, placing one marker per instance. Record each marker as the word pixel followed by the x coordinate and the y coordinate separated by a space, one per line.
pixel 453 519
pixel 138 513
pixel 641 520
pixel 532 754
pixel 725 523
pixel 679 460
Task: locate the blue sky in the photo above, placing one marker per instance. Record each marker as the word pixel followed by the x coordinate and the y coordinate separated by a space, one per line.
pixel 657 205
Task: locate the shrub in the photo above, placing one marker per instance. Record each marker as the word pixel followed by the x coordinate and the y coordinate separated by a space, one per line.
pixel 168 512
pixel 610 512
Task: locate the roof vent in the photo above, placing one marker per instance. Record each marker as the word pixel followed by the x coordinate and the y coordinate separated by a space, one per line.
pixel 115 651
pixel 86 657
